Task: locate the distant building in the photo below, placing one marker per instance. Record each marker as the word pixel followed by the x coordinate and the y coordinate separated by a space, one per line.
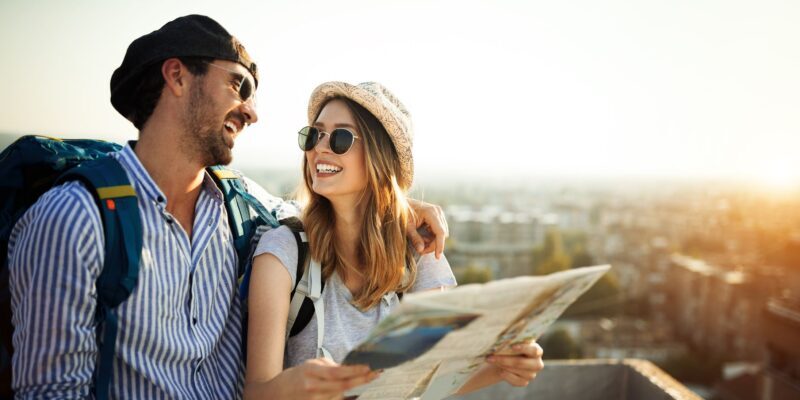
pixel 491 224
pixel 715 309
pixel 778 376
pixel 504 260
pixel 782 366
pixel 492 237
pixel 621 338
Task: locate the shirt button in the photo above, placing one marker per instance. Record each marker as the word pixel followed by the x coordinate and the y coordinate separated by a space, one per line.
pixel 160 199
pixel 194 321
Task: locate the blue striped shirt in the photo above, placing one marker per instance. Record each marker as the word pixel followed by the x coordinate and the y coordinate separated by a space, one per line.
pixel 180 330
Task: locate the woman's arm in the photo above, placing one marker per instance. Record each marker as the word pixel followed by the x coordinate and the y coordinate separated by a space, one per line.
pixel 270 288
pixel 268 304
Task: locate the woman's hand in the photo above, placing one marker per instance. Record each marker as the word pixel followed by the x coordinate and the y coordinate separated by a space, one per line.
pixel 321 378
pixel 517 366
pixel 520 365
pixel 431 219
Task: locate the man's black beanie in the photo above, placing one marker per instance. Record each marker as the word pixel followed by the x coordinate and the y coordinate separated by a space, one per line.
pixel 189 36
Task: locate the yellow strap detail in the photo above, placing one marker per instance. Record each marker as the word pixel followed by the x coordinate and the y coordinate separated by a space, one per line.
pixel 112 192
pixel 225 174
pixel 48 137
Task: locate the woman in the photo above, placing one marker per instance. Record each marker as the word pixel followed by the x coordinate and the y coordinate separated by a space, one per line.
pixel 357 169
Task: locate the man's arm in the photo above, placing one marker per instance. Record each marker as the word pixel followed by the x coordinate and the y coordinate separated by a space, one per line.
pixel 55 254
pixel 428 230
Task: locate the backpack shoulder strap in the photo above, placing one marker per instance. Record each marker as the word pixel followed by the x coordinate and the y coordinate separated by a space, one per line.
pixel 116 199
pixel 306 298
pixel 306 288
pixel 238 203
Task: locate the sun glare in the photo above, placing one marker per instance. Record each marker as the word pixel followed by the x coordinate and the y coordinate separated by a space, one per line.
pixel 781 176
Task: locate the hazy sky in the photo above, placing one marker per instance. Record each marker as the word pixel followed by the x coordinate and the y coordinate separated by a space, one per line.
pixel 584 88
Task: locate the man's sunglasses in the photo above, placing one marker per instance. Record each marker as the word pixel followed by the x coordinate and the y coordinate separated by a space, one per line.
pixel 246 87
pixel 341 139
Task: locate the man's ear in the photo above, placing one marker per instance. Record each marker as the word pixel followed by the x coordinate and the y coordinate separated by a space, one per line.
pixel 175 76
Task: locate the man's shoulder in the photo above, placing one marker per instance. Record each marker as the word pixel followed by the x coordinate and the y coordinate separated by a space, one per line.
pixel 70 201
pixel 71 195
pixel 65 211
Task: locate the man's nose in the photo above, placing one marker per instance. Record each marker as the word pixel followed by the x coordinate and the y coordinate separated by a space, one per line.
pixel 248 109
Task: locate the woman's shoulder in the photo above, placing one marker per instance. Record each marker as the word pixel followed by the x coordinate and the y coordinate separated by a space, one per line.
pixel 279 234
pixel 281 243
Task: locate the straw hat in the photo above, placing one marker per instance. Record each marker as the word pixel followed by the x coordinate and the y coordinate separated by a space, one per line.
pixel 379 101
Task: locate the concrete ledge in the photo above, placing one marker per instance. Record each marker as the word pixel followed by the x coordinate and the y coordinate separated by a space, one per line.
pixel 627 379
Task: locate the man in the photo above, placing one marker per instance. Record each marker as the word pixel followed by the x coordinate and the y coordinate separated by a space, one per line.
pixel 189 89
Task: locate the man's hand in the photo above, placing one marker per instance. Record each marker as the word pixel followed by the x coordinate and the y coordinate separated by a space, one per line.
pixel 429 229
pixel 520 365
pixel 320 378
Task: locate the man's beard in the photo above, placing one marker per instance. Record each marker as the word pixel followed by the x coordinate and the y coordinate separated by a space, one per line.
pixel 205 135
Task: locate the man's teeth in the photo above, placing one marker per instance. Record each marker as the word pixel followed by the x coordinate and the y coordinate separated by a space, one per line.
pixel 327 168
pixel 231 126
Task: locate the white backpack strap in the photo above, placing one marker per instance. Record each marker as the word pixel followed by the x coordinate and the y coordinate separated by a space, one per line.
pixel 310 286
pixel 300 293
pixel 387 298
pixel 315 294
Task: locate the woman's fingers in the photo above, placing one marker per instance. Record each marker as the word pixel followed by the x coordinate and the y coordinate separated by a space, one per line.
pixel 341 385
pixel 532 364
pixel 324 377
pixel 328 370
pixel 522 365
pixel 514 379
pixel 528 349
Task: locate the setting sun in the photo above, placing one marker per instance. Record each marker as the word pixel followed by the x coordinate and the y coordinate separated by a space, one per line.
pixel 780 175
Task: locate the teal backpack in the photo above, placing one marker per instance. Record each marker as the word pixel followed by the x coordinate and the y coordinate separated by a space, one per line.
pixel 34 164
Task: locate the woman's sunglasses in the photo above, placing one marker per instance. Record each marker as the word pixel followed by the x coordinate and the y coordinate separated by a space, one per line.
pixel 341 139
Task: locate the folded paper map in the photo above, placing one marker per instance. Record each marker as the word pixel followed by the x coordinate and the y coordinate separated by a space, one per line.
pixel 433 342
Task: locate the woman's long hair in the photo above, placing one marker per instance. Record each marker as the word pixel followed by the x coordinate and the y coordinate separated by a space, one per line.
pixel 385 257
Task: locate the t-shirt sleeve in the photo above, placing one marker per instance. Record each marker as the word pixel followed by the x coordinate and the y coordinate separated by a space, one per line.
pixel 433 273
pixel 280 242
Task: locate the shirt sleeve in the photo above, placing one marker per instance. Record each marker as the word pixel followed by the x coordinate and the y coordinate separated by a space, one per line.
pixel 281 243
pixel 54 257
pixel 433 273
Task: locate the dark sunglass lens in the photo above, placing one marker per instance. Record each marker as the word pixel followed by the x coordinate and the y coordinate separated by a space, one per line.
pixel 246 89
pixel 341 140
pixel 307 138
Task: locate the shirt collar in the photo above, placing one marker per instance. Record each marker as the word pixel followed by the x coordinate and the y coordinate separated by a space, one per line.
pixel 145 185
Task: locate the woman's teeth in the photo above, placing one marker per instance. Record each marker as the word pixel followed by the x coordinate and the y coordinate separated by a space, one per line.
pixel 327 169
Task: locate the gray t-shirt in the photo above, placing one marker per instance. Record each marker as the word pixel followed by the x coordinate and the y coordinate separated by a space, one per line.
pixel 345 325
